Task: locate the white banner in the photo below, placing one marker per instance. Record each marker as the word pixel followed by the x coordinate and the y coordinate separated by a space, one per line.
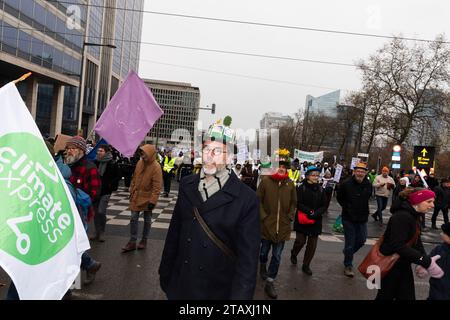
pixel 42 236
pixel 338 173
pixel 312 157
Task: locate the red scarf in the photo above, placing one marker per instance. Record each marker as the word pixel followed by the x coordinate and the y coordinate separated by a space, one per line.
pixel 279 177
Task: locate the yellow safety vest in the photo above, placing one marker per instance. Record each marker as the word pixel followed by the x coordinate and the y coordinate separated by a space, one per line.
pixel 294 175
pixel 168 165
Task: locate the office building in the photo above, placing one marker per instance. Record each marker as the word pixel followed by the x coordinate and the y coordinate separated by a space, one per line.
pixel 47 37
pixel 180 103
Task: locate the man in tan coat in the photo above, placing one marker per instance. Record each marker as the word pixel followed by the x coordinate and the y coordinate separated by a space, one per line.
pixel 278 205
pixel 144 193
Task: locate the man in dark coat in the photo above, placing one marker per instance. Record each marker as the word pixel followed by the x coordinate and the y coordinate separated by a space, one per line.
pixel 193 266
pixel 442 202
pixel 353 195
pixel 440 288
pixel 110 177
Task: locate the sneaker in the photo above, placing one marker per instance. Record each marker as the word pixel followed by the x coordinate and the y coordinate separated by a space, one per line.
pixel 293 258
pixel 269 288
pixel 375 216
pixel 90 273
pixel 307 270
pixel 348 271
pixel 142 244
pixel 130 246
pixel 263 271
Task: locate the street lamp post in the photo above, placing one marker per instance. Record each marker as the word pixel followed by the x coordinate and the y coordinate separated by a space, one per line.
pixel 81 87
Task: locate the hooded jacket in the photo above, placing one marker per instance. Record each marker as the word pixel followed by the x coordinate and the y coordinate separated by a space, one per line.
pixel 146 183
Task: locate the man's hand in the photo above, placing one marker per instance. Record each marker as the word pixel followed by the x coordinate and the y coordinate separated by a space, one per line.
pixel 150 206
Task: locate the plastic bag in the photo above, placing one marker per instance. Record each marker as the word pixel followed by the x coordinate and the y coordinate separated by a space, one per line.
pixel 338 227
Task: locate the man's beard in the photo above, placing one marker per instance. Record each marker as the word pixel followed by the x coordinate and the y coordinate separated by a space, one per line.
pixel 72 159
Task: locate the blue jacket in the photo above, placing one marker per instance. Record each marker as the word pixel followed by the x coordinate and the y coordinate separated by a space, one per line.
pixel 440 288
pixel 192 266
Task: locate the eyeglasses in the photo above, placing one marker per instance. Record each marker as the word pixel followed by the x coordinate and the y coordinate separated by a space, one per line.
pixel 217 151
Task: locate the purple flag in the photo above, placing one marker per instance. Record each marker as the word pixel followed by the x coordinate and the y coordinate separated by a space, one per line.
pixel 129 116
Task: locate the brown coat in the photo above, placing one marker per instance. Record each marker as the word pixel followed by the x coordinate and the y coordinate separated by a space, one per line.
pixel 278 205
pixel 146 183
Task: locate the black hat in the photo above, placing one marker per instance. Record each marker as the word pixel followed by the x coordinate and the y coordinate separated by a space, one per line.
pixel 446 228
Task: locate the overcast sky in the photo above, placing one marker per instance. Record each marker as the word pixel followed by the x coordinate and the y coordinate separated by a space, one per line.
pixel 245 99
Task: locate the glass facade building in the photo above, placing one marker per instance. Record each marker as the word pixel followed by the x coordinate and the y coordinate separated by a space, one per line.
pixel 46 38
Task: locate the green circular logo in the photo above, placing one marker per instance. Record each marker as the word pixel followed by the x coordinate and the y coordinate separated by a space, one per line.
pixel 35 215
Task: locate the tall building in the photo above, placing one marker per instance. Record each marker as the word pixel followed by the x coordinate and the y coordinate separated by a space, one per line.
pixel 47 37
pixel 274 120
pixel 180 103
pixel 325 104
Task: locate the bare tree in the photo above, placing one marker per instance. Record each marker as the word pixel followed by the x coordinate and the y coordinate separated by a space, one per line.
pixel 410 78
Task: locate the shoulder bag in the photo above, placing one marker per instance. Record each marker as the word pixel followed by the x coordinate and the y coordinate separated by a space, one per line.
pixel 376 258
pixel 219 243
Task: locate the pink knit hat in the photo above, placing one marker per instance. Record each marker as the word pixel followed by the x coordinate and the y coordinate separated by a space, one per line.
pixel 420 196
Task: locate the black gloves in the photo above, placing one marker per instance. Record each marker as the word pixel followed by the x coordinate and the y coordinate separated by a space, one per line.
pixel 151 206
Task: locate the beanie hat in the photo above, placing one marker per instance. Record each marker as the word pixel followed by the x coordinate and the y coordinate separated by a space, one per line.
pixel 420 196
pixel 77 142
pixel 311 169
pixel 385 169
pixel 406 179
pixel 446 228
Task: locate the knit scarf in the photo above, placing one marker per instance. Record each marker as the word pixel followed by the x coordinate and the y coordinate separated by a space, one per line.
pixel 208 188
pixel 278 177
pixel 103 162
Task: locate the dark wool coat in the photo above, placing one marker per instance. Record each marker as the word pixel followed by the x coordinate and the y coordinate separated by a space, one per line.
pixel 311 199
pixel 192 266
pixel 354 199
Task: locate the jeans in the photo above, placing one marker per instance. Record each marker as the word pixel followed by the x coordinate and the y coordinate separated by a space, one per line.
pixel 381 205
pixel 86 261
pixel 355 235
pixel 134 224
pixel 100 213
pixel 277 249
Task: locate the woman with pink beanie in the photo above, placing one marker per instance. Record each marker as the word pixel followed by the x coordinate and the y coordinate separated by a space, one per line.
pixel 403 226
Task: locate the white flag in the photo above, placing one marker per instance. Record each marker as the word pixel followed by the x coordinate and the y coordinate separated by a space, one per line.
pixel 41 233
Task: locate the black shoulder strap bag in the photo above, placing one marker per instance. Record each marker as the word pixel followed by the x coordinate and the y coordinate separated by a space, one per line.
pixel 219 243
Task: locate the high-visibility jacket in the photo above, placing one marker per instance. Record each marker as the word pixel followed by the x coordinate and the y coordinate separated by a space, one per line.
pixel 294 175
pixel 168 165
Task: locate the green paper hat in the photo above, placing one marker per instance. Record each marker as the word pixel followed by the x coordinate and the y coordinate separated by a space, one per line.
pixel 221 132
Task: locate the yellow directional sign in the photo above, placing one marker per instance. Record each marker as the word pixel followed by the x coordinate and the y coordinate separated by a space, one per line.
pixel 423 157
pixel 424 152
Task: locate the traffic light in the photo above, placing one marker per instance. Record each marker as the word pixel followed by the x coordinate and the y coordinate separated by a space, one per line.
pixel 213 108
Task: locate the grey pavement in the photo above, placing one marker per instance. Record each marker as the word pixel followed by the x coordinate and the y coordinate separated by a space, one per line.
pixel 134 275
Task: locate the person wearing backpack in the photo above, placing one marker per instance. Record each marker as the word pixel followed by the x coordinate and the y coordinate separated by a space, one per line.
pixel 110 177
pixel 85 177
pixel 311 200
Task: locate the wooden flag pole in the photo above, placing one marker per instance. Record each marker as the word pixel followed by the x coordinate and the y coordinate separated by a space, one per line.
pixel 26 75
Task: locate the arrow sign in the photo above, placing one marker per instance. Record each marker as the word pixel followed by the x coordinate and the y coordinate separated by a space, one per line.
pixel 424 152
